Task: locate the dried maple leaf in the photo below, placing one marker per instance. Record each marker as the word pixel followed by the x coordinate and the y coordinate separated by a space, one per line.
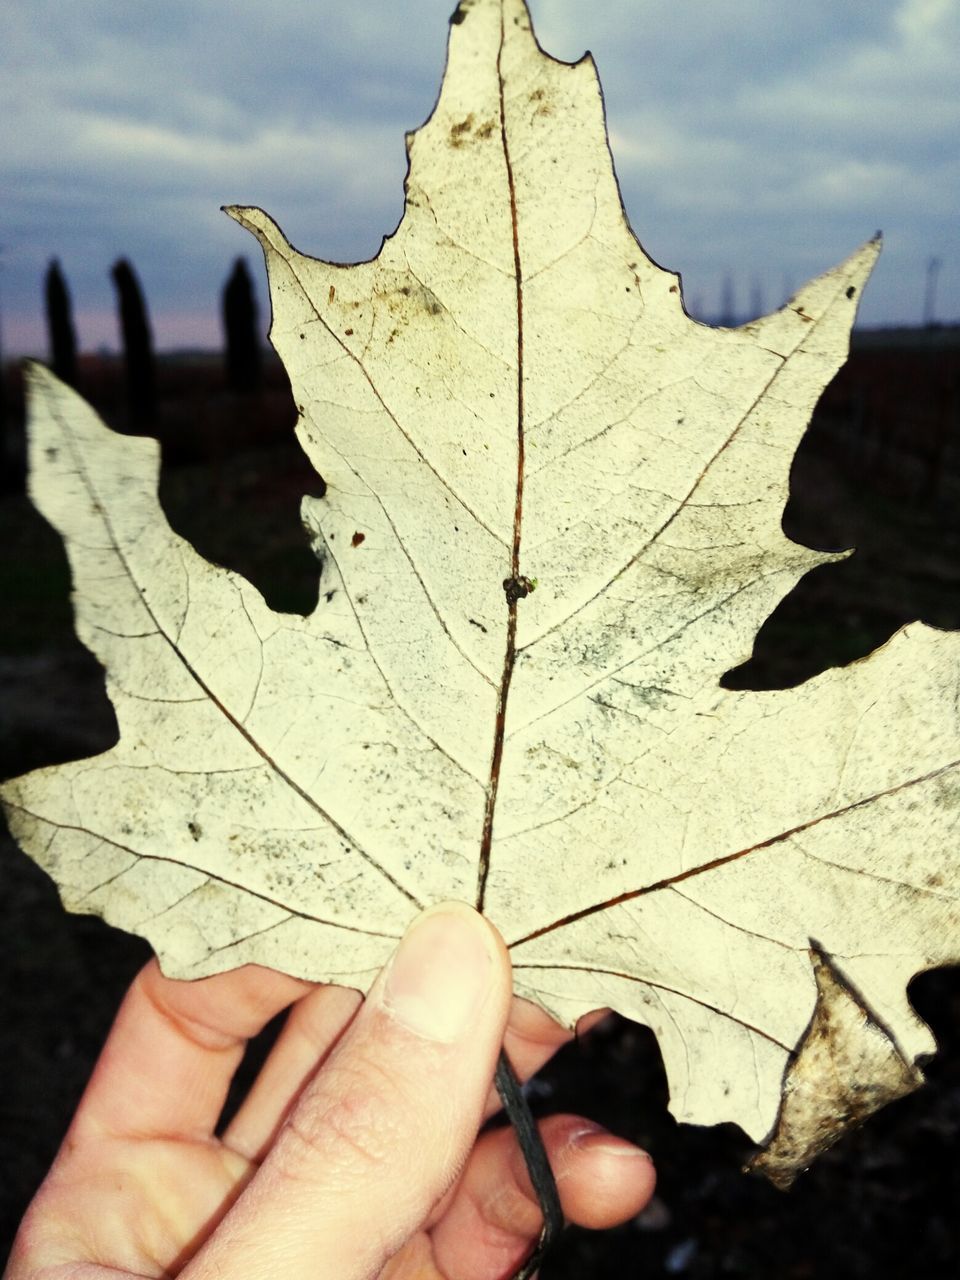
pixel 552 522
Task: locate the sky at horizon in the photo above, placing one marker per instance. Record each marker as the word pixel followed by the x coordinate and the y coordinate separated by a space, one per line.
pixel 756 144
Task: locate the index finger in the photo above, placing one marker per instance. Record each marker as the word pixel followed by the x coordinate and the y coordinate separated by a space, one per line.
pixel 170 1056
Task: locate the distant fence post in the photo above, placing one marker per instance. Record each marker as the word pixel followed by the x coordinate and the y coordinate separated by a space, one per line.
pixel 63 338
pixel 243 356
pixel 137 345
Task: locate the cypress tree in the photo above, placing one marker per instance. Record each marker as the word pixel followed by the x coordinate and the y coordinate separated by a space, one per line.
pixel 63 338
pixel 243 356
pixel 728 305
pixel 11 465
pixel 137 344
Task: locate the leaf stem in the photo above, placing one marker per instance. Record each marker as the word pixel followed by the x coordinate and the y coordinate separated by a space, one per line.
pixel 538 1166
pixel 515 586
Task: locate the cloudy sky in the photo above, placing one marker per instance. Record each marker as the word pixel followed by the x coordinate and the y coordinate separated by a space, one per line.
pixel 756 141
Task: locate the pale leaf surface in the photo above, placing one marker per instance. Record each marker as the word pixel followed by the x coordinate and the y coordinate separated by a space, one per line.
pixel 552 522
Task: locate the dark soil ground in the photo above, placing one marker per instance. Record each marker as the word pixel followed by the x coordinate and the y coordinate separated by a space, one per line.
pixel 879 471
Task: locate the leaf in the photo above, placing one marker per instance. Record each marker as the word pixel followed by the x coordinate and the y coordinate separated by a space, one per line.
pixel 551 524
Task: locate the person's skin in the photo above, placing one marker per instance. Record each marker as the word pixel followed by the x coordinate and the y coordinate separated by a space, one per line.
pixel 354 1155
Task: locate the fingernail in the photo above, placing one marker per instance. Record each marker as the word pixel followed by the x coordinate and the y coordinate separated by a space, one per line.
pixel 596 1138
pixel 440 974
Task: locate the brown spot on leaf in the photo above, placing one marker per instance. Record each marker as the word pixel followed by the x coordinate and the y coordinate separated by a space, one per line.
pixel 357 538
pixel 332 293
pixel 457 131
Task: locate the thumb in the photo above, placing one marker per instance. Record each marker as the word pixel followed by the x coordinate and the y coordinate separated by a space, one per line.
pixel 383 1130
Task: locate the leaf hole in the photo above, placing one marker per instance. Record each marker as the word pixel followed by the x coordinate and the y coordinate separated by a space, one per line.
pixel 878 470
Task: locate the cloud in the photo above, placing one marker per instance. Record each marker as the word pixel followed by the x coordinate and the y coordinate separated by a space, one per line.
pixel 759 140
pixel 771 146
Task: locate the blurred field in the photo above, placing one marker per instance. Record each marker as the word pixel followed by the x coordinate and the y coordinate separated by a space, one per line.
pixel 879 470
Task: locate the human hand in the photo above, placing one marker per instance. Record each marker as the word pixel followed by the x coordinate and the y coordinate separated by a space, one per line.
pixel 355 1154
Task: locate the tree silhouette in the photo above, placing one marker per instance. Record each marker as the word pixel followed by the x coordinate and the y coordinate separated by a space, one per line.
pixel 137 344
pixel 728 304
pixel 243 356
pixel 63 338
